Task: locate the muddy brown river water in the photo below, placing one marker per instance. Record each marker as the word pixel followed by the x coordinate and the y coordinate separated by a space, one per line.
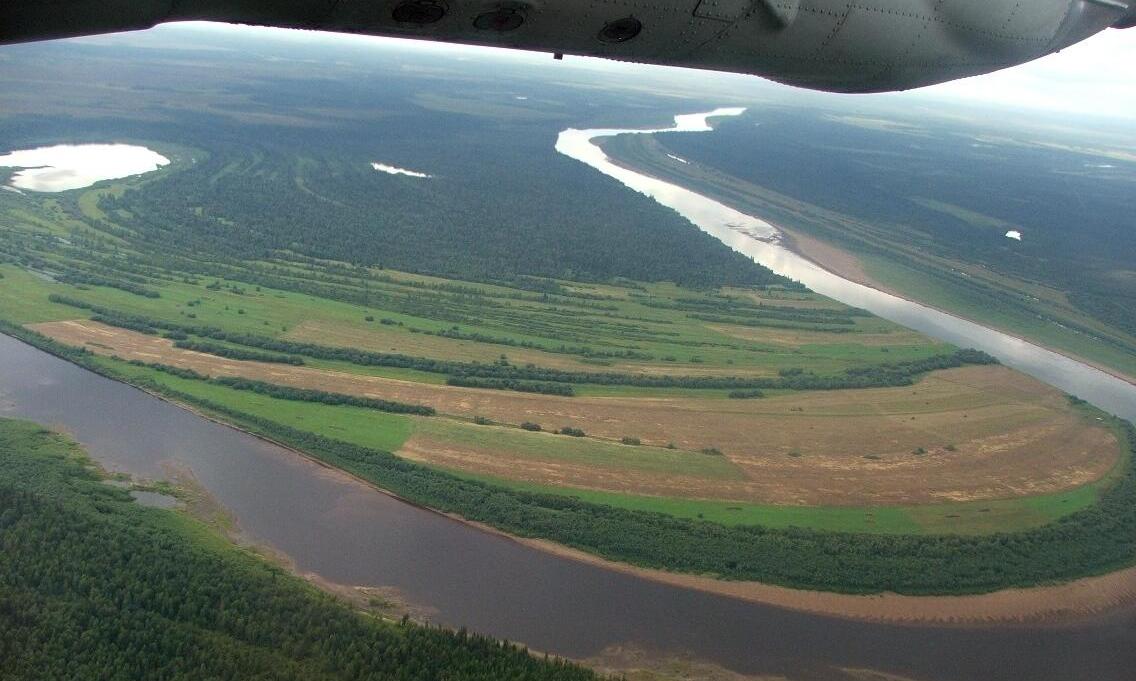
pixel 349 533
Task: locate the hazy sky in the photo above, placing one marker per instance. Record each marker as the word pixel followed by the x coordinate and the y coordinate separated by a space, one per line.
pixel 1096 76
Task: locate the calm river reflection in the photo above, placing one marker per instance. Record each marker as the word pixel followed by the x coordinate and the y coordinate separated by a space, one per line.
pixel 758 239
pixel 351 534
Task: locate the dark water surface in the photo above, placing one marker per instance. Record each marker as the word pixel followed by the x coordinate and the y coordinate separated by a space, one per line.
pixel 351 534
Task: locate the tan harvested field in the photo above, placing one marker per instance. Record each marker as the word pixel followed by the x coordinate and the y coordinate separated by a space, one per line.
pixel 798 338
pixel 987 432
pixel 379 338
pixel 562 470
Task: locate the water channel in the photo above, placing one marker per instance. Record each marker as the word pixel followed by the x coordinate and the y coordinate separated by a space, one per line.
pixel 330 524
pixel 758 239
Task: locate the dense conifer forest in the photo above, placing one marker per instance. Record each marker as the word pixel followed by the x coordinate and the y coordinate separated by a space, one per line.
pixel 94 586
pixel 499 265
pixel 288 166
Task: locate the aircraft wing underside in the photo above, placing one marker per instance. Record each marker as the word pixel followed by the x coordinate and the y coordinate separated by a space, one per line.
pixel 837 45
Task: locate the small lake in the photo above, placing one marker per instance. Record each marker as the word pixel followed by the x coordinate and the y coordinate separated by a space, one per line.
pixel 74 166
pixel 330 524
pixel 758 239
pixel 395 170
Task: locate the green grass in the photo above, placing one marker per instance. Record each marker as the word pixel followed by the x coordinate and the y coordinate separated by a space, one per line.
pixel 676 341
pixel 918 286
pixel 636 391
pixel 389 432
pixel 985 517
pixel 1015 305
pixel 595 454
pixel 382 372
pixel 23 298
pixel 358 425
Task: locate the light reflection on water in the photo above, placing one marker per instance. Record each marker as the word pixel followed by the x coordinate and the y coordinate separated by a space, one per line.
pixel 332 525
pixel 74 166
pixel 395 170
pixel 759 239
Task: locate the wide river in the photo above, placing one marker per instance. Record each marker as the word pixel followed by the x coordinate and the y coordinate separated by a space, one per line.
pixel 758 239
pixel 329 524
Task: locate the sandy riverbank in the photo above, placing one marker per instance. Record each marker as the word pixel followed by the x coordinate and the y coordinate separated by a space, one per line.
pixel 846 265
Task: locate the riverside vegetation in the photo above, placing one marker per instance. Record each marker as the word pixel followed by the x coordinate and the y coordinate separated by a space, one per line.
pixel 594 371
pixel 97 586
pixel 927 225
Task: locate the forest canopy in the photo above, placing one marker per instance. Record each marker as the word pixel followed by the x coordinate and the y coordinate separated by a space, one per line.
pixel 97 587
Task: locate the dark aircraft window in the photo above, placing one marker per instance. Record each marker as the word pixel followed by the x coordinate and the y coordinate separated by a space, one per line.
pixel 418 12
pixel 621 30
pixel 500 20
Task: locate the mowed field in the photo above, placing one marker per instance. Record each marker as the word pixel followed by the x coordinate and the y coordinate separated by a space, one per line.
pixel 651 329
pixel 972 434
pixel 970 450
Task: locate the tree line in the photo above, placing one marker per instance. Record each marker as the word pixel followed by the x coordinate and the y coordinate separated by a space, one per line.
pixel 284 392
pixel 102 588
pixel 759 322
pixel 1091 541
pixel 78 278
pixel 544 388
pixel 875 376
pixel 1094 540
pixel 237 353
